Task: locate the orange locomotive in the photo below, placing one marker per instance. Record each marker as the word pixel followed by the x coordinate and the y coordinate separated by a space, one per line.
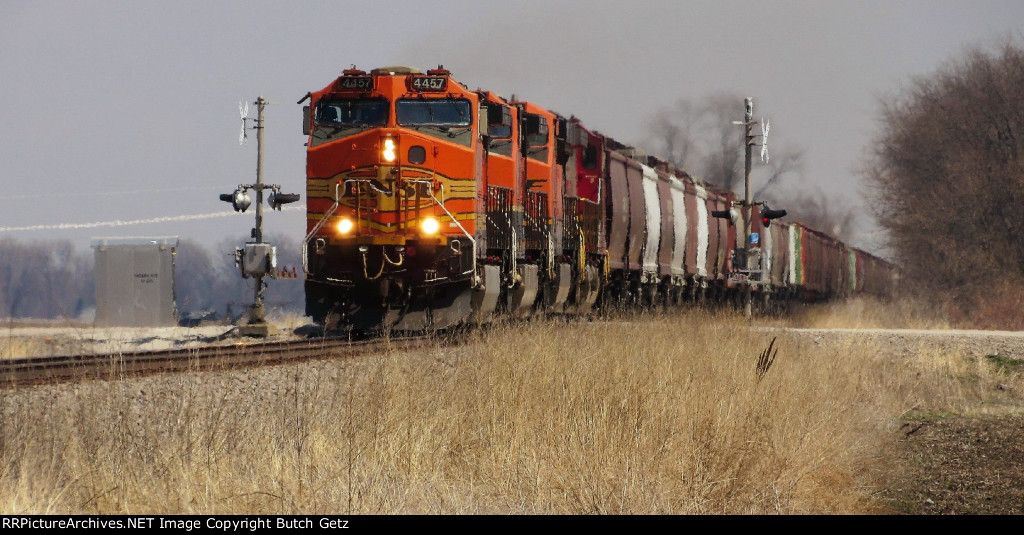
pixel 423 196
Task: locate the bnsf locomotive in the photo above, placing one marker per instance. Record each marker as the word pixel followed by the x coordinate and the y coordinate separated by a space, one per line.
pixel 430 204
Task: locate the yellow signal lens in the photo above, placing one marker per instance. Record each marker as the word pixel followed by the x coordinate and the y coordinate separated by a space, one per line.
pixel 389 153
pixel 344 226
pixel 430 225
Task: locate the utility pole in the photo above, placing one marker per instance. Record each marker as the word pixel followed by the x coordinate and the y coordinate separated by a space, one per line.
pixel 750 264
pixel 258 325
pixel 257 259
pixel 748 202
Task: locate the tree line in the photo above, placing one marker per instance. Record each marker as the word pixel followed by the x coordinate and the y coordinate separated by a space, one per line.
pixel 52 280
pixel 946 173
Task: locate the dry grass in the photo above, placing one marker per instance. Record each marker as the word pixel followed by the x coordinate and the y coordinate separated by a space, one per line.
pixel 866 312
pixel 665 416
pixel 17 346
pixel 997 308
pixel 285 320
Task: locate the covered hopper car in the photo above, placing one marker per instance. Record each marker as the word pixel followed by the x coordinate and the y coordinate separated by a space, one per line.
pixel 430 204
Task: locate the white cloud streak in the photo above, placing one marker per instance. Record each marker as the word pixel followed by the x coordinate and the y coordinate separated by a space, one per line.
pixel 120 223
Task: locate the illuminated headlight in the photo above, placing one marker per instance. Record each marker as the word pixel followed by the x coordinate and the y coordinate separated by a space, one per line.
pixel 430 225
pixel 390 150
pixel 344 226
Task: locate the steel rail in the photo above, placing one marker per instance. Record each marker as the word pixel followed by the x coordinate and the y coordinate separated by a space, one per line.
pixel 23 371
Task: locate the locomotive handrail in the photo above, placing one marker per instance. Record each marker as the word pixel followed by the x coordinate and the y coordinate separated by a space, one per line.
pixel 472 241
pixel 318 226
pixel 330 212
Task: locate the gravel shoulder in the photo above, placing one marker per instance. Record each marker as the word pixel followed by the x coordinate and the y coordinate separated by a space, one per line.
pixel 41 340
pixel 901 342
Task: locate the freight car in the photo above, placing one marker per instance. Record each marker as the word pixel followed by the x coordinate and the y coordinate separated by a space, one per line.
pixel 430 204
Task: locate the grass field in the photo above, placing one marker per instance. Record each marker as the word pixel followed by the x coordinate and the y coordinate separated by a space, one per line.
pixel 672 414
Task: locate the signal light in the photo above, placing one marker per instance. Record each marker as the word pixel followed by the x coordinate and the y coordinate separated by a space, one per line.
pixel 729 214
pixel 768 214
pixel 276 199
pixel 239 200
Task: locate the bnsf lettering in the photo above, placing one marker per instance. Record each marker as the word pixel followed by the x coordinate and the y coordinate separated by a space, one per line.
pixel 429 84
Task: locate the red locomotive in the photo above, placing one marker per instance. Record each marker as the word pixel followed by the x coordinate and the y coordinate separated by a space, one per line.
pixel 430 204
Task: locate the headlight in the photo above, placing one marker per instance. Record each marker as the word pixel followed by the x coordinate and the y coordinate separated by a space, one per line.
pixel 390 150
pixel 430 225
pixel 344 226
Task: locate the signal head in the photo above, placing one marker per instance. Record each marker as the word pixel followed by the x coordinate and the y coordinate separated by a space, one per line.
pixel 729 214
pixel 277 199
pixel 768 214
pixel 239 200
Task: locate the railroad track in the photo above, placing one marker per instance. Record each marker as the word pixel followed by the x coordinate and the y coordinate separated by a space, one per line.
pixel 24 371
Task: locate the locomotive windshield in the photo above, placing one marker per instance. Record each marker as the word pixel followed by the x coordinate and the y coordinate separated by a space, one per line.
pixel 536 130
pixel 448 119
pixel 338 118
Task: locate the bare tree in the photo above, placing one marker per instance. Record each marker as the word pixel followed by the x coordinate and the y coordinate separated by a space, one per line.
pixel 44 280
pixel 673 132
pixel 194 278
pixel 724 146
pixel 813 208
pixel 700 137
pixel 946 173
pixel 786 167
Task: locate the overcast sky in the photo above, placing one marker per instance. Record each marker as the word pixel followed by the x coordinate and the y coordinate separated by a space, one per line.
pixel 128 111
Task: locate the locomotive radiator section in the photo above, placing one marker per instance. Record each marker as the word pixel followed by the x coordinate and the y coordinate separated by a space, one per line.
pixel 431 205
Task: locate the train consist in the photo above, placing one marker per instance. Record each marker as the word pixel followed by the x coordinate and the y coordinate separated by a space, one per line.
pixel 430 204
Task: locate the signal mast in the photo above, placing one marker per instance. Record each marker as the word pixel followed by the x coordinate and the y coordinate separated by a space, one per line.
pixel 257 259
pixel 749 257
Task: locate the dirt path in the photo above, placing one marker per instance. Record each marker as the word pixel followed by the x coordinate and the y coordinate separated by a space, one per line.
pixel 963 466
